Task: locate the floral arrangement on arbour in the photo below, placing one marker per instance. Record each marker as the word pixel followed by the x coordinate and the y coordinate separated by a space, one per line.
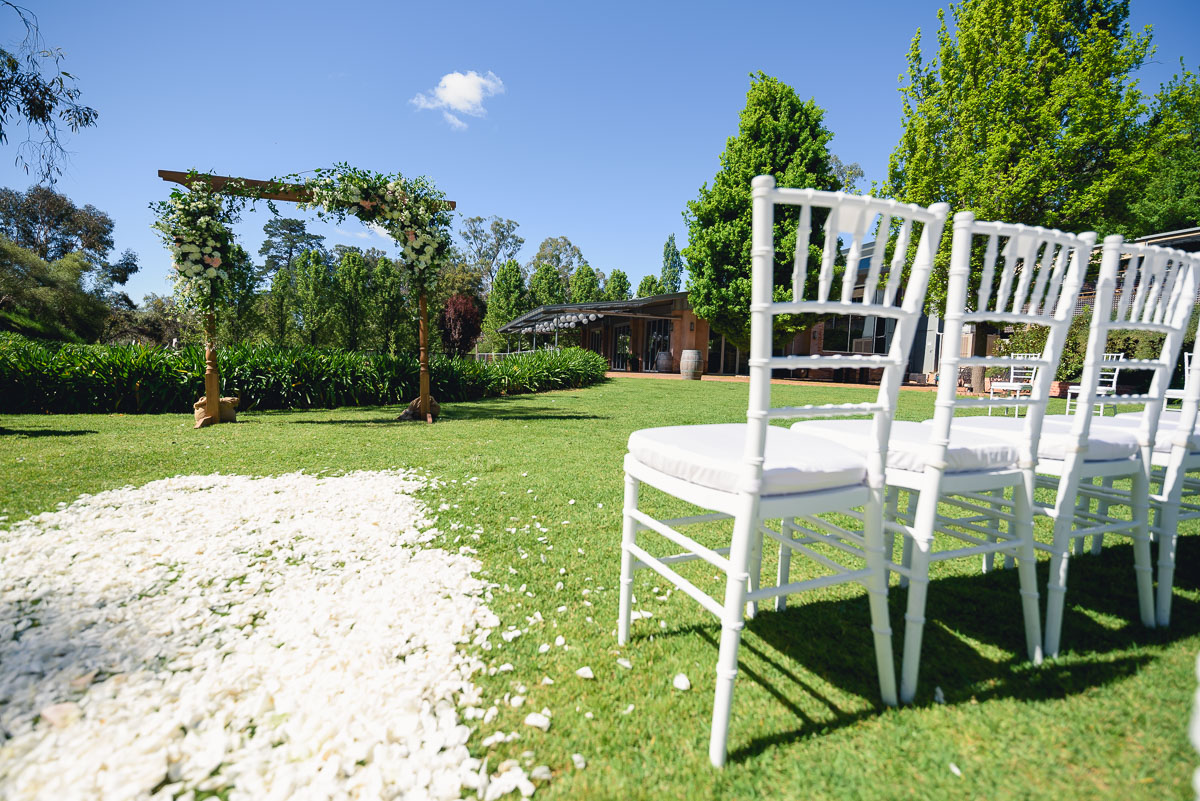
pixel 412 211
pixel 195 225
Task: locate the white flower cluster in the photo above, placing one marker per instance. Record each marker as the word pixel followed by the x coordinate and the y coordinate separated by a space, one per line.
pixel 196 234
pixel 267 638
pixel 402 208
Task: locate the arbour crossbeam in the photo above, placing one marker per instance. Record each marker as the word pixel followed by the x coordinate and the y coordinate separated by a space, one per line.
pixel 292 193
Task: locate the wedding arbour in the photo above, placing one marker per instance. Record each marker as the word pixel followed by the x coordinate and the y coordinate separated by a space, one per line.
pixel 196 226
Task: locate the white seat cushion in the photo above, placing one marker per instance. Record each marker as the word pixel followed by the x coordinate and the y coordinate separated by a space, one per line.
pixel 712 456
pixel 1168 421
pixel 909 444
pixel 1104 444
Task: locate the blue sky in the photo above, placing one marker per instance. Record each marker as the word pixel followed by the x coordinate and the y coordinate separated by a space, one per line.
pixel 603 120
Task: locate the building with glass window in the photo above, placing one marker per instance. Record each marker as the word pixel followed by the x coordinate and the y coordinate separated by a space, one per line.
pixel 650 334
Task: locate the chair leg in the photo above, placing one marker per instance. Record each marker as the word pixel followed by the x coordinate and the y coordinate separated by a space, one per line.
pixel 628 533
pixel 744 530
pixel 877 592
pixel 1009 562
pixel 1027 571
pixel 914 621
pixel 993 524
pixel 784 573
pixel 891 513
pixel 1143 570
pixel 906 552
pixel 1101 508
pixel 1082 504
pixel 755 569
pixel 1167 538
pixel 1056 586
pixel 918 548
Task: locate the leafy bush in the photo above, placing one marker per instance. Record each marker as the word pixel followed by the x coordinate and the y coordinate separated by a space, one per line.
pixel 1134 344
pixel 53 377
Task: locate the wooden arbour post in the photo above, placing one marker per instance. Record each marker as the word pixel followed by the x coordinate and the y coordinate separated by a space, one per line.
pixel 291 193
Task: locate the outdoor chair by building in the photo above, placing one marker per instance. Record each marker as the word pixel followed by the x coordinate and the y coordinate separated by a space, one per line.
pixel 1110 371
pixel 752 472
pixel 1019 382
pixel 1025 274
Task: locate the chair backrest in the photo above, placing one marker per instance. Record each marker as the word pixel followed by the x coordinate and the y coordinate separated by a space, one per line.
pixel 1023 373
pixel 1026 275
pixel 911 233
pixel 1109 372
pixel 1155 289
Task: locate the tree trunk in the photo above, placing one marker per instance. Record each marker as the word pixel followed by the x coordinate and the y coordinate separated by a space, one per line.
pixel 423 330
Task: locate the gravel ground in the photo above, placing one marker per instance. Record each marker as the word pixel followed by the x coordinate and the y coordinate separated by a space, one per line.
pixel 266 638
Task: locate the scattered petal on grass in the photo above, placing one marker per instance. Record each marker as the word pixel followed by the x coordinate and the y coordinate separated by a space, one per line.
pixel 538 721
pixel 517 700
pixel 579 762
pixel 547 680
pixel 560 641
pixel 681 682
pixel 625 663
pixel 628 709
pixel 543 648
pixel 541 773
pixel 955 770
pixel 585 673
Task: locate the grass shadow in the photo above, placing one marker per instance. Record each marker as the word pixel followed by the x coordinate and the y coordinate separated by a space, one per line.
pixel 45 432
pixel 974 643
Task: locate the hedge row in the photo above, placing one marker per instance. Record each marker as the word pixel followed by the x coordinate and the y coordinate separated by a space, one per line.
pixel 64 378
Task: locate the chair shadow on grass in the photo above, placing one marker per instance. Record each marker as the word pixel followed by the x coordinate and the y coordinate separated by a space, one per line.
pixel 974 642
pixel 45 432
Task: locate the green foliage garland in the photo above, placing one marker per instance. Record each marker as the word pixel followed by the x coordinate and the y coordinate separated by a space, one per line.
pixel 412 211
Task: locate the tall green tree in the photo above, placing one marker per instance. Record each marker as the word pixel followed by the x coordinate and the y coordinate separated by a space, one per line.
pixel 51 225
pixel 617 286
pixel 779 135
pixel 672 266
pixel 1169 196
pixel 507 301
pixel 238 307
pixel 546 286
pixel 585 285
pixel 489 243
pixel 395 317
pixel 649 287
pixel 312 292
pixel 353 291
pixel 279 307
pixel 47 299
pixel 286 239
pixel 562 254
pixel 1028 113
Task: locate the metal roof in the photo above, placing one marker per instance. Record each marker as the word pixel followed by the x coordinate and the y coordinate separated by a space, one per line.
pixel 569 315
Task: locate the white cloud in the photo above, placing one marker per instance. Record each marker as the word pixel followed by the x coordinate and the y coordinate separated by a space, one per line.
pixel 463 93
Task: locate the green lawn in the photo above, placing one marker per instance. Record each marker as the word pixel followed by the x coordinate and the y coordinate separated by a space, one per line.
pixel 1108 718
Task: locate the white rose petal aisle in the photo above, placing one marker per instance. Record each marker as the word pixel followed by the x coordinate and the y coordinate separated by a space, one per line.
pixel 306 650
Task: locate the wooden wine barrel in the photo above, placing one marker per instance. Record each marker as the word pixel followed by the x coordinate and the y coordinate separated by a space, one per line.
pixel 662 363
pixel 690 365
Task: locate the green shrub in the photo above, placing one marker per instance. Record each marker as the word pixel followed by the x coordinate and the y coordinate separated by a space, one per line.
pixel 65 378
